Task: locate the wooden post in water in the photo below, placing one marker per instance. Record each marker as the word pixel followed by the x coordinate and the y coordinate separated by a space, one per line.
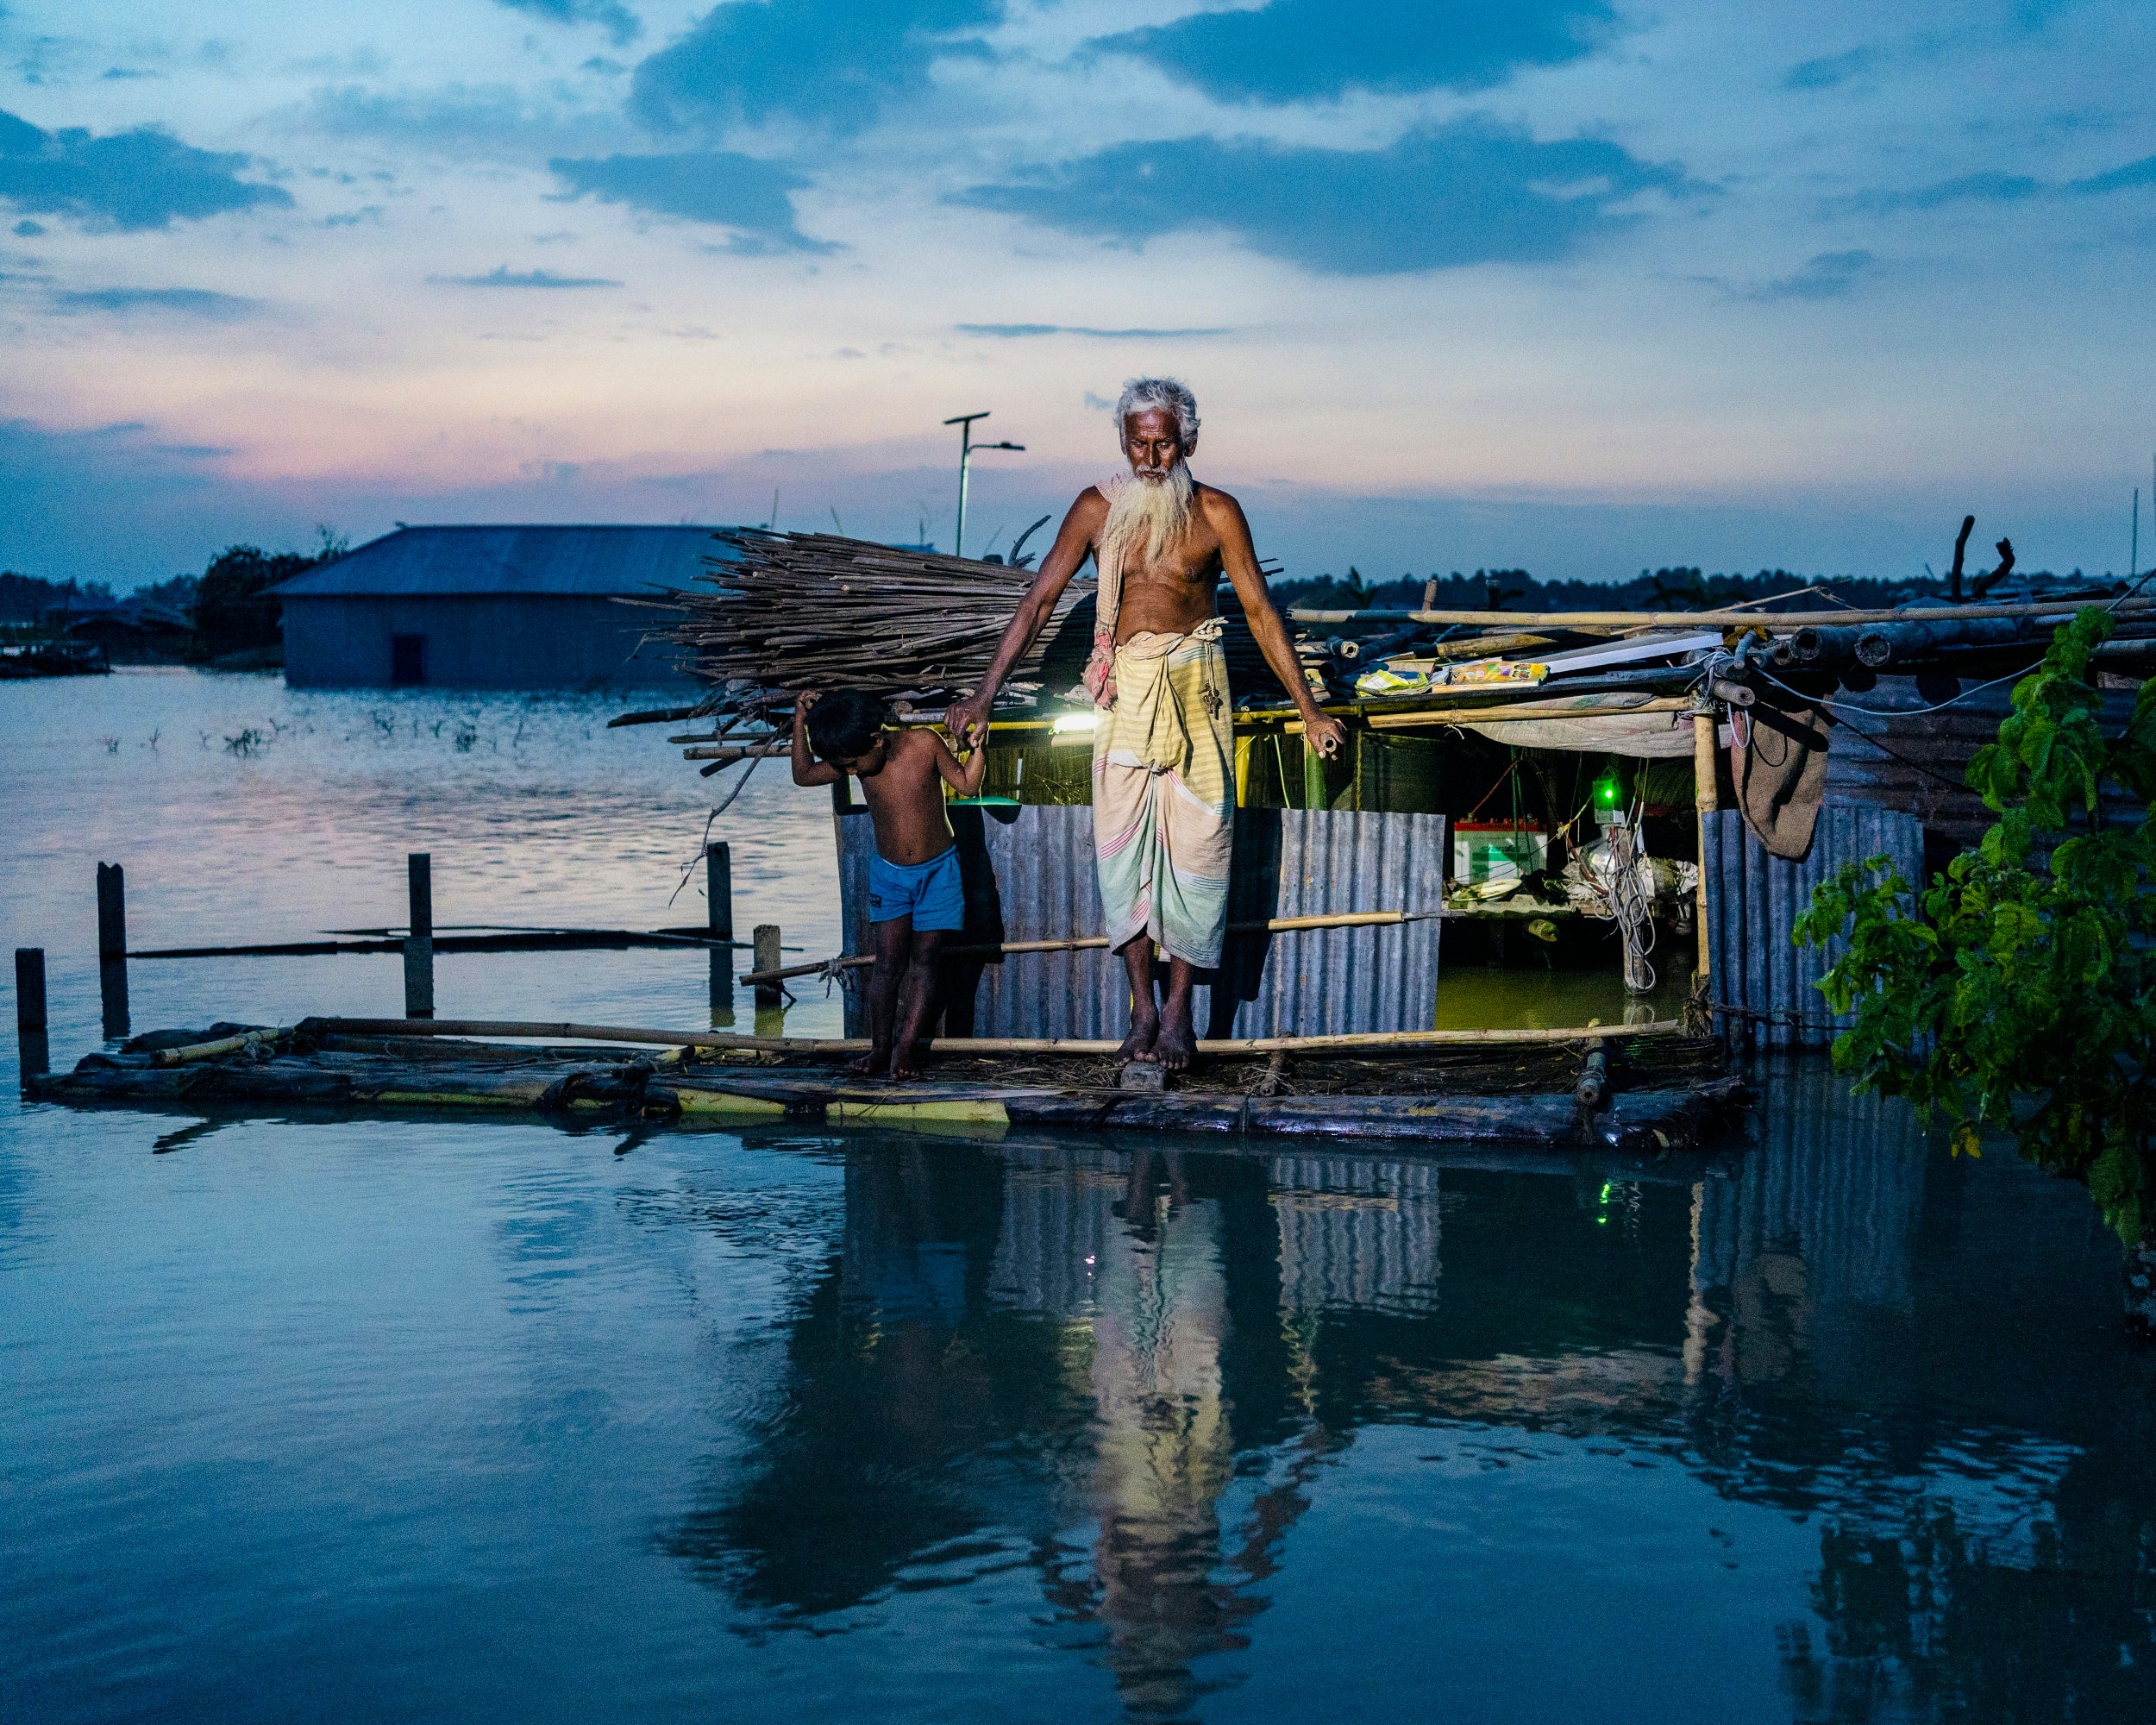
pixel 419 937
pixel 768 957
pixel 718 903
pixel 29 1010
pixel 112 947
pixel 1707 792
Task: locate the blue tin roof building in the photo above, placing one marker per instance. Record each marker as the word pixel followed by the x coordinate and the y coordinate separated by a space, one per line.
pixel 516 607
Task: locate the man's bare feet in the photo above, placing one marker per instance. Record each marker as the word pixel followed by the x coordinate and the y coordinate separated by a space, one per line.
pixel 869 1063
pixel 1139 1044
pixel 1176 1045
pixel 906 1067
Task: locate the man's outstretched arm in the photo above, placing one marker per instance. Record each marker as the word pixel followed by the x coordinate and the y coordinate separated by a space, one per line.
pixel 1239 557
pixel 1073 544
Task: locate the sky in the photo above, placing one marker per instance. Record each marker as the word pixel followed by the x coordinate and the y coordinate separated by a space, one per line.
pixel 1580 286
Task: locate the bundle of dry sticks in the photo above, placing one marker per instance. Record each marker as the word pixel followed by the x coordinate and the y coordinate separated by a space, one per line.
pixel 811 610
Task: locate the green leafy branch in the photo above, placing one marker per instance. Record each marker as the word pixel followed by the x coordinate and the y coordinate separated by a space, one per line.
pixel 2020 1002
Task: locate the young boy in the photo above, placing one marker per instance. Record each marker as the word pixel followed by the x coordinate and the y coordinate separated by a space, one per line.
pixel 914 898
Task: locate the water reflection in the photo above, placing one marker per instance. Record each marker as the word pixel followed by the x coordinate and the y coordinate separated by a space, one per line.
pixel 1129 1370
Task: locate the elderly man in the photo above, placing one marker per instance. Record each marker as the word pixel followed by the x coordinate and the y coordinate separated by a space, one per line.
pixel 1163 757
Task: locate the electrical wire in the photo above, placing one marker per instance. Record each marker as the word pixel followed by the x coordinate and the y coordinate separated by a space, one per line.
pixel 1632 900
pixel 1890 711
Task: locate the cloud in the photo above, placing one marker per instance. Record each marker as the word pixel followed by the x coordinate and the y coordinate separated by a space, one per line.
pixel 1832 70
pixel 1444 198
pixel 503 276
pixel 831 62
pixel 1989 188
pixel 718 186
pixel 494 120
pixel 1830 275
pixel 1020 330
pixel 620 24
pixel 190 301
pixel 2142 172
pixel 2001 188
pixel 1300 50
pixel 129 180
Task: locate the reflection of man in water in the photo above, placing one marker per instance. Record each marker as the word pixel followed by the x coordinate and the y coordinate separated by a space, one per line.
pixel 1165 1452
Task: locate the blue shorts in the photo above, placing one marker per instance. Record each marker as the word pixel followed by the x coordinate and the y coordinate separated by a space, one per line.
pixel 928 892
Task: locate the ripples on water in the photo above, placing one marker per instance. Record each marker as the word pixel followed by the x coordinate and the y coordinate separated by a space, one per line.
pixel 403 1419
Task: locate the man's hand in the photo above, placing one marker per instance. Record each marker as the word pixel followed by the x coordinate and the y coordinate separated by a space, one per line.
pixel 968 721
pixel 1325 734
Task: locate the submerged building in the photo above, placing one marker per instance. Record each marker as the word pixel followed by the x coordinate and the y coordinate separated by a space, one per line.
pixel 478 607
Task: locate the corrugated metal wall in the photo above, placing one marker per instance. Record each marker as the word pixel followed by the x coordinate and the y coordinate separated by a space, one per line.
pixel 1029 876
pixel 1356 1235
pixel 1896 750
pixel 506 640
pixel 1753 900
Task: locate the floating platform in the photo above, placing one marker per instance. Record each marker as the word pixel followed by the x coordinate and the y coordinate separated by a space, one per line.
pixel 1649 1094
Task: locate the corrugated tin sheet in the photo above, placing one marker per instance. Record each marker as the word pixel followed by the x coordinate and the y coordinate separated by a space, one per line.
pixel 588 561
pixel 1893 749
pixel 501 641
pixel 1753 900
pixel 1029 876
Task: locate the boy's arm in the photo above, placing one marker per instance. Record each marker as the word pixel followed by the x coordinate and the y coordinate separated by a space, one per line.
pixel 808 769
pixel 964 779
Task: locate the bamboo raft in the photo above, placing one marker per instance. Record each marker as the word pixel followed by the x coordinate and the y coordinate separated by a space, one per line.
pixel 1646 1089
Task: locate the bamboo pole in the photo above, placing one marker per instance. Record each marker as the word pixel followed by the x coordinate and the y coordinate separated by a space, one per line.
pixel 190 1052
pixel 1707 794
pixel 1727 619
pixel 1579 706
pixel 730 752
pixel 1078 942
pixel 1365 1041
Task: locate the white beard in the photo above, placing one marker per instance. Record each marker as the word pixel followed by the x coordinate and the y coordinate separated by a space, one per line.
pixel 1147 517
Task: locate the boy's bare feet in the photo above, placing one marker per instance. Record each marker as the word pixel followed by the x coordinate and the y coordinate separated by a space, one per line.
pixel 1139 1044
pixel 1176 1045
pixel 870 1063
pixel 906 1067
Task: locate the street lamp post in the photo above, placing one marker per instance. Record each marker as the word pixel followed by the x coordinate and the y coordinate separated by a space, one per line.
pixel 967 450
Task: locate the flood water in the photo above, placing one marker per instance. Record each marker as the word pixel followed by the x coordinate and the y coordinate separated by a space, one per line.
pixel 427 1419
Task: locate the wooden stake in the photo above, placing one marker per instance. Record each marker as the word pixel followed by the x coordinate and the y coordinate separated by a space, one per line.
pixel 419 938
pixel 718 907
pixel 768 994
pixel 29 1011
pixel 112 948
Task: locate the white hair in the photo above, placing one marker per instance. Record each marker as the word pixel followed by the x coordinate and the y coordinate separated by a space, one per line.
pixel 1165 395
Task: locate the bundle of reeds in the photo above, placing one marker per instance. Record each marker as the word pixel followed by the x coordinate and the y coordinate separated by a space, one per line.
pixel 783 611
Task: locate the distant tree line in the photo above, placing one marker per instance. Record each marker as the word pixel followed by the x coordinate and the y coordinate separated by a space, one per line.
pixel 1682 588
pixel 225 610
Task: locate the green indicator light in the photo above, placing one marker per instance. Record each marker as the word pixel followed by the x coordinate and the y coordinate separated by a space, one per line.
pixel 1608 793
